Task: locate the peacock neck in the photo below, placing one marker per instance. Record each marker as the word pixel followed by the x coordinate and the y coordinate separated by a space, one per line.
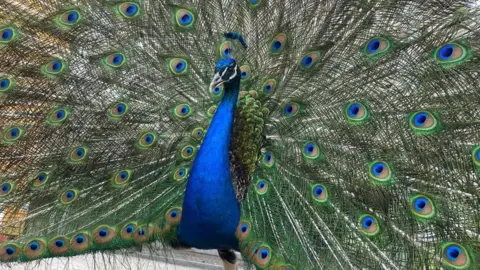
pixel 211 211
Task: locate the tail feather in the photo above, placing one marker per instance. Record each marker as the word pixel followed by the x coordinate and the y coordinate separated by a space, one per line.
pixel 369 158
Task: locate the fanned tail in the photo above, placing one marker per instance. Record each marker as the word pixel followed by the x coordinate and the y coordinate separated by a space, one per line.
pixel 365 113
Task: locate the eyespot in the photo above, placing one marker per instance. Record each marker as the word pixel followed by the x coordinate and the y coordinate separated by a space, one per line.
pixel 380 172
pixel 7 35
pixel 115 60
pixel 309 60
pixel 188 152
pixel 6 84
pixel 79 154
pixel 269 86
pixel 121 178
pixel 58 245
pixel 263 256
pixel 423 122
pixel 225 49
pixel 184 18
pixel 68 196
pixel 310 151
pixel 245 72
pixel 34 248
pixel 54 68
pixel 127 231
pixel 455 255
pixel 57 116
pixel 320 193
pixel 79 242
pixel 290 109
pixel 40 179
pixel 142 233
pixel 377 46
pixel 211 111
pixel 278 44
pixel 182 111
pixel 268 159
pixel 217 92
pixel 180 174
pixel 261 187
pixel 243 230
pixel 255 3
pixel 70 18
pixel 174 215
pixel 5 189
pixel 147 140
pixel 12 134
pixel 356 113
pixel 10 251
pixel 369 225
pixel 103 234
pixel 422 206
pixel 198 133
pixel 451 53
pixel 118 110
pixel 129 10
pixel 178 66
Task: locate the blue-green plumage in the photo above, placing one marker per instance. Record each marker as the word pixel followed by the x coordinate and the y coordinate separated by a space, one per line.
pixel 353 143
pixel 211 211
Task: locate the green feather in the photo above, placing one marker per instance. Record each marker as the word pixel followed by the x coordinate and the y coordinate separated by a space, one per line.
pixel 347 110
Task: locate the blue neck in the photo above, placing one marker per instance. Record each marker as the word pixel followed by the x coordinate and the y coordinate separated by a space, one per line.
pixel 211 211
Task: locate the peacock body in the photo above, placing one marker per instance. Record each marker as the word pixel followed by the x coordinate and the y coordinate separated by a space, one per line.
pixel 312 134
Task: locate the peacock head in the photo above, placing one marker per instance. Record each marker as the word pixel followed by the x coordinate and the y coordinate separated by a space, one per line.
pixel 226 72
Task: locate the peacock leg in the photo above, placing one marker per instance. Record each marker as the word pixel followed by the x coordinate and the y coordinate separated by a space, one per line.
pixel 229 259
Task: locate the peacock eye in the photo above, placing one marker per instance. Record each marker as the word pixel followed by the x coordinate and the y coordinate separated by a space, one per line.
pixel 455 256
pixel 57 116
pixel 184 18
pixel 6 84
pixel 278 44
pixel 78 154
pixel 308 60
pixel 424 122
pixel 380 172
pixel 5 189
pixel 369 225
pixel 12 134
pixel 7 35
pixel 261 187
pixel 178 66
pixel 451 53
pixel 129 10
pixel 319 193
pixel 121 178
pixel 225 49
pixel 114 60
pixel 118 110
pixel 377 46
pixel 422 207
pixel 53 68
pixel 356 113
pixel 147 140
pixel 182 111
pixel 68 196
pixel 69 18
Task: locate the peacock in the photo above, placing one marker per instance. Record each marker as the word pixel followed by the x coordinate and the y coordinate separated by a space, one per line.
pixel 313 134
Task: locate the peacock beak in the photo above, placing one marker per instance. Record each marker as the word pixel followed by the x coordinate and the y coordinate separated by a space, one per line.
pixel 217 80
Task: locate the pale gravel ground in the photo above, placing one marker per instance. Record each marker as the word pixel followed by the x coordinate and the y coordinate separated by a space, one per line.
pixel 178 260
